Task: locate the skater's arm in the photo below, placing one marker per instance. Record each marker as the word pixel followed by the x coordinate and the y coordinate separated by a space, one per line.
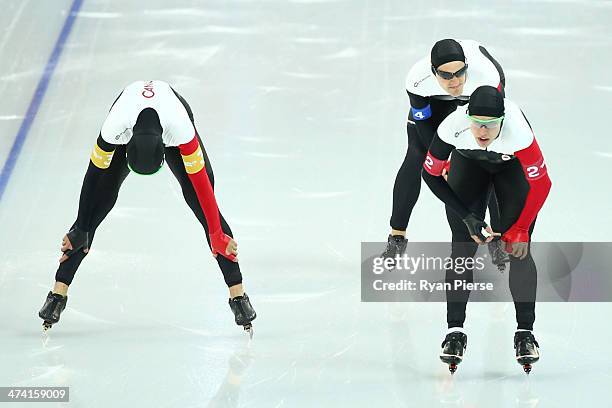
pixel 434 164
pixel 99 162
pixel 193 159
pixel 421 112
pixel 536 174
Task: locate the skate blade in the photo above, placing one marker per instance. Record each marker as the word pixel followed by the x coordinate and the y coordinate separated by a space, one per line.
pixel 46 326
pixel 249 329
pixel 452 361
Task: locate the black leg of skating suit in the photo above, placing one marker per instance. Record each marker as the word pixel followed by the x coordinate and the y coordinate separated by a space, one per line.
pixel 471 182
pixel 109 185
pixel 511 189
pixel 407 185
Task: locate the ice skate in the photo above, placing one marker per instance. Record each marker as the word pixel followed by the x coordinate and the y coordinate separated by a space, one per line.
pixel 243 312
pixel 527 349
pixel 396 245
pixel 499 257
pixel 453 348
pixel 52 308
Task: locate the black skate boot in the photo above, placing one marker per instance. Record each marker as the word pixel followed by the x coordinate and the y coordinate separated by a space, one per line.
pixel 453 347
pixel 244 312
pixel 527 349
pixel 396 245
pixel 52 309
pixel 499 257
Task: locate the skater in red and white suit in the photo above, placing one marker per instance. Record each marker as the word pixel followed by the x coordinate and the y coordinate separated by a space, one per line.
pixel 148 123
pixel 492 144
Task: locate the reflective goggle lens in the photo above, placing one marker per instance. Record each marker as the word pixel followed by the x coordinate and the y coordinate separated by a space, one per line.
pixel 449 75
pixel 487 124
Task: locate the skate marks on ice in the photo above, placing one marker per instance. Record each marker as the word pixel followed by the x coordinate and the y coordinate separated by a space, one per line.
pixel 98 14
pixel 451 392
pixel 299 193
pixel 217 373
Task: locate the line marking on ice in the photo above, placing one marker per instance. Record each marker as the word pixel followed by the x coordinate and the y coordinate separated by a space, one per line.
pixel 39 94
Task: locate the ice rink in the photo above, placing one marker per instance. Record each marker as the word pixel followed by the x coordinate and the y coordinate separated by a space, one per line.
pixel 302 108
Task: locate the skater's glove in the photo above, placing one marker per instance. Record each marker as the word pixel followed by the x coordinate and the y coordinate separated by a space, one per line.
pixel 517 242
pixel 475 227
pixel 75 240
pixel 223 244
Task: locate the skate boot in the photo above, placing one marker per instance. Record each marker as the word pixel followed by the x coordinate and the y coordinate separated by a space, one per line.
pixel 453 348
pixel 244 312
pixel 527 349
pixel 499 257
pixel 396 245
pixel 52 309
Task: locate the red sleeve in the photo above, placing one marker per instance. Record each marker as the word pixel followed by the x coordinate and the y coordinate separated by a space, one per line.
pixel 433 166
pixel 536 175
pixel 201 183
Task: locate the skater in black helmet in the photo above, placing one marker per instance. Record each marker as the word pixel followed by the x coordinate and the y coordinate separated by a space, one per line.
pixel 436 86
pixel 148 123
pixel 493 145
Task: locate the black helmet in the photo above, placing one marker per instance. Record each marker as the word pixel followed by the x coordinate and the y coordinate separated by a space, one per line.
pixel 444 51
pixel 486 101
pixel 145 150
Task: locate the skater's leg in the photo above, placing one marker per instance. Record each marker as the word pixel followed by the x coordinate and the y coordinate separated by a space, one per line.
pixel 239 301
pixel 471 184
pixel 462 247
pixel 523 286
pixel 405 193
pixel 231 270
pixel 109 185
pixel 407 185
pixel 512 190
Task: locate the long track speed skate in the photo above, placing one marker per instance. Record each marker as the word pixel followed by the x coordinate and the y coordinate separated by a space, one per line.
pixel 52 309
pixel 243 312
pixel 396 246
pixel 453 348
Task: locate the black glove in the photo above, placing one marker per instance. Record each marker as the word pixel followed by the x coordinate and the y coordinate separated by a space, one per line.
pixel 475 225
pixel 79 240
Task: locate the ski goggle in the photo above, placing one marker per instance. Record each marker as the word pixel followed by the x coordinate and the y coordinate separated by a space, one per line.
pixel 449 75
pixel 487 124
